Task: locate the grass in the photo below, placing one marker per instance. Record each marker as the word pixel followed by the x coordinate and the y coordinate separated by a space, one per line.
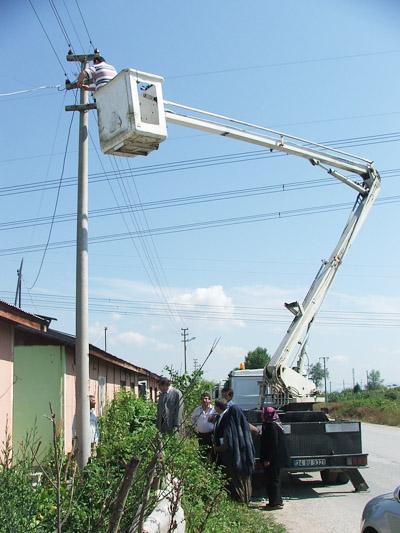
pixel 380 406
pixel 233 517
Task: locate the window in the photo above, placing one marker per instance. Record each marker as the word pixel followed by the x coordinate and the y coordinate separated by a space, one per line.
pixel 122 384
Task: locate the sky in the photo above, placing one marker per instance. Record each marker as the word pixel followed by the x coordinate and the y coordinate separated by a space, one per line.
pixel 324 71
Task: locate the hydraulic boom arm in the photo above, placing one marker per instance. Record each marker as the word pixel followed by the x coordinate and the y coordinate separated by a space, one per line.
pixel 132 116
pixel 286 383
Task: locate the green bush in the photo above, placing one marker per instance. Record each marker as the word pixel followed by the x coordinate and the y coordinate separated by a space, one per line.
pixel 127 430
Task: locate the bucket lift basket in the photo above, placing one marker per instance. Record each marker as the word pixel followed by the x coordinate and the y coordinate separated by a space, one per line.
pixel 131 114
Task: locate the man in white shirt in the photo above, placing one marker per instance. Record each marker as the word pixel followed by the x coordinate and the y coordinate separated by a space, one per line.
pixel 94 425
pixel 200 418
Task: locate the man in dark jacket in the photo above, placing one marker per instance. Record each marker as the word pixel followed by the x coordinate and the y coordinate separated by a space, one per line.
pixel 169 407
pixel 274 455
pixel 235 450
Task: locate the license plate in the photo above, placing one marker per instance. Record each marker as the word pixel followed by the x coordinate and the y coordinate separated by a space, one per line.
pixel 309 462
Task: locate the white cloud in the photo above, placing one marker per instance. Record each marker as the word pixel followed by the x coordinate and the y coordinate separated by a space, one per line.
pixel 210 302
pixel 136 339
pixel 339 359
pixel 131 338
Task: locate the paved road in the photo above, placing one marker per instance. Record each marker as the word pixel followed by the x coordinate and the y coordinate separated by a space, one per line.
pixel 313 508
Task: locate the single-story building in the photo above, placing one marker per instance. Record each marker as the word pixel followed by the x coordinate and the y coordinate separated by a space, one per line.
pixel 37 367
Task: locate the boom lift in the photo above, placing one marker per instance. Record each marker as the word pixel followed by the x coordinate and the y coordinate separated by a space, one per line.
pixel 132 117
pixel 132 121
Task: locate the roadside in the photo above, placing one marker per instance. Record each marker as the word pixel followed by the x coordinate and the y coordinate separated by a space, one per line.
pixel 379 406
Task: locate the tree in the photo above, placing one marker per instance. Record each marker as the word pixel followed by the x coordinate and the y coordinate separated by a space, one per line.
pixel 258 358
pixel 317 374
pixel 356 388
pixel 374 380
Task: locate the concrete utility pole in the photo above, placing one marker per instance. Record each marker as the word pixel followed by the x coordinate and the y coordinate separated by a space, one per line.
pixel 354 381
pixel 325 359
pixel 185 340
pixel 105 338
pixel 82 413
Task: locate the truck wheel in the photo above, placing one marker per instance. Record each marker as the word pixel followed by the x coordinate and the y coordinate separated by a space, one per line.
pixel 342 478
pixel 329 476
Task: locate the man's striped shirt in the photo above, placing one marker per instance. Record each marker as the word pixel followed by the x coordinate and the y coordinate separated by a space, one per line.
pixel 101 74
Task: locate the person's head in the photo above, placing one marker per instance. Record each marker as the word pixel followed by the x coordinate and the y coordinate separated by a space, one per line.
pixel 98 59
pixel 205 399
pixel 227 394
pixel 269 414
pixel 220 406
pixel 92 401
pixel 164 384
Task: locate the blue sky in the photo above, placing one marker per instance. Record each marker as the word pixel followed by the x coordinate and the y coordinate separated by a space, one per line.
pixel 326 71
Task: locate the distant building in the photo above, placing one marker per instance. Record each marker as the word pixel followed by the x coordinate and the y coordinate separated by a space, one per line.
pixel 37 367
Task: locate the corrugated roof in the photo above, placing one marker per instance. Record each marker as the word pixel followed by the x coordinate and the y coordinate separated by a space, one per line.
pixel 14 314
pixel 39 325
pixel 69 340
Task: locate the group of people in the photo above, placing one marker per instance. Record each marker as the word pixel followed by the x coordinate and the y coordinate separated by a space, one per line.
pixel 226 437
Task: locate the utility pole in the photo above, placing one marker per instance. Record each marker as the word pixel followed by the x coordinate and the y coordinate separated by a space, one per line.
pixel 325 359
pixel 185 340
pixel 354 381
pixel 195 364
pixel 19 285
pixel 105 338
pixel 367 379
pixel 82 261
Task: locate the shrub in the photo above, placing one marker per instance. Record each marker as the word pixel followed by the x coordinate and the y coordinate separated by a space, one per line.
pixel 127 430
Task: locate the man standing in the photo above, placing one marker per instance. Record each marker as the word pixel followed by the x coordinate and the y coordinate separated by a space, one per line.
pixel 94 425
pixel 99 74
pixel 227 395
pixel 200 418
pixel 169 407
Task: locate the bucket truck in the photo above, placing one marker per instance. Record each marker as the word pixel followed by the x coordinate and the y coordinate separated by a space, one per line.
pixel 132 117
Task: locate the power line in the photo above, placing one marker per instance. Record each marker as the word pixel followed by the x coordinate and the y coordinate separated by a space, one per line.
pixel 164 230
pixel 281 64
pixel 56 202
pixel 84 23
pixel 177 202
pixel 212 313
pixel 61 24
pixel 48 38
pixel 189 164
pixel 121 211
pixel 32 90
pixel 72 24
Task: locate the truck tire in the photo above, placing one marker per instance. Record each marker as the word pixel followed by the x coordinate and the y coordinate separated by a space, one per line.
pixel 342 478
pixel 329 477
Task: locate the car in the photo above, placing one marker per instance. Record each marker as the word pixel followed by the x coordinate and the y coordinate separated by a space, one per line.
pixel 382 514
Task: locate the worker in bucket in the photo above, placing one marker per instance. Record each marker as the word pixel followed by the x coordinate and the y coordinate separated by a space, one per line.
pixel 99 75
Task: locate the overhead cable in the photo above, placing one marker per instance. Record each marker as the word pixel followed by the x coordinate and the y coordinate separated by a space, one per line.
pixel 56 202
pixel 166 230
pixel 48 38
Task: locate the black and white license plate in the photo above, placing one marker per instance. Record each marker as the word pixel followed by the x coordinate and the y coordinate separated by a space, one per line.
pixel 312 461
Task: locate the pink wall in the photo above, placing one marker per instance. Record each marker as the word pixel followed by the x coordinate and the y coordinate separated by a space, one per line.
pixel 98 368
pixel 6 379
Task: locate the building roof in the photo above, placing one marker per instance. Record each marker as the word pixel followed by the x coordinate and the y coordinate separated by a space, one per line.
pixel 69 340
pixel 39 325
pixel 17 316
